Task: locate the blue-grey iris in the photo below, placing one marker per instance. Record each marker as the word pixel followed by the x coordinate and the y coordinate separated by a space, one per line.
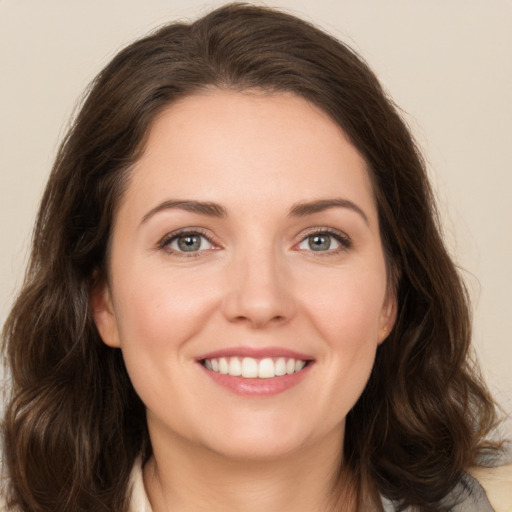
pixel 319 242
pixel 189 243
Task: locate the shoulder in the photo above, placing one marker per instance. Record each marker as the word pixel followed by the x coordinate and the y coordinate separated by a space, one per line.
pixel 497 483
pixel 479 490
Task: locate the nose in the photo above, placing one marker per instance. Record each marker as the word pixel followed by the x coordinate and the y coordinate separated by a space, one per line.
pixel 260 292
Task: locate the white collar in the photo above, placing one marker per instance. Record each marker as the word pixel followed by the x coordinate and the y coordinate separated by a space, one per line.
pixel 501 499
pixel 139 501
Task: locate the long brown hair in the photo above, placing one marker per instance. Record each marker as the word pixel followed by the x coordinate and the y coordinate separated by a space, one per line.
pixel 74 424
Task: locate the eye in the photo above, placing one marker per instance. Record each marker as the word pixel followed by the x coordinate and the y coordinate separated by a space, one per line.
pixel 324 241
pixel 187 242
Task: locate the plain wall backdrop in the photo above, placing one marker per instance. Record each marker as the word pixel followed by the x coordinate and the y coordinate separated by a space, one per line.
pixel 446 63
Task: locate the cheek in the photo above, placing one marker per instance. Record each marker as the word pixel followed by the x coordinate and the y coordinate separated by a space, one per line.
pixel 347 306
pixel 347 315
pixel 158 315
pixel 350 331
pixel 160 307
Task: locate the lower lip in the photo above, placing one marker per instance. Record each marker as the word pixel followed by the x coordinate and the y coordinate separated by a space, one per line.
pixel 258 387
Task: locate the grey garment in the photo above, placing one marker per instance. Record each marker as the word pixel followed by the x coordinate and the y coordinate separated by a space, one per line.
pixel 467 496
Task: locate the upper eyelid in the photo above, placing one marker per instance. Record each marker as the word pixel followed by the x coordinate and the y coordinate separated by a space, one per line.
pixel 169 237
pixel 322 230
pixel 342 238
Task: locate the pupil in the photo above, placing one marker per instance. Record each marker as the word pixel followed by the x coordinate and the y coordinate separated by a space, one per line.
pixel 189 243
pixel 319 242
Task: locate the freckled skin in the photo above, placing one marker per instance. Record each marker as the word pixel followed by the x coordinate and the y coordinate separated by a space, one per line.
pixel 255 280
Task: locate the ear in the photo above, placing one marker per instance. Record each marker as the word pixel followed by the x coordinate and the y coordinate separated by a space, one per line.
pixel 387 316
pixel 103 315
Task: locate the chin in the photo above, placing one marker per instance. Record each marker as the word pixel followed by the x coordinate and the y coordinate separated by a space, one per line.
pixel 260 441
pixel 261 450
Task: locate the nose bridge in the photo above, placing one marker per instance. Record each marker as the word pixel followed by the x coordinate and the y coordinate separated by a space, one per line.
pixel 259 292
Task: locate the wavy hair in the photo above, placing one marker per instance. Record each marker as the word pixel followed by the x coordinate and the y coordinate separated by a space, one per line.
pixel 74 425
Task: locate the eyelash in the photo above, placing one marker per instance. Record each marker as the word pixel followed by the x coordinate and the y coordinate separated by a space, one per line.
pixel 171 237
pixel 344 241
pixel 340 237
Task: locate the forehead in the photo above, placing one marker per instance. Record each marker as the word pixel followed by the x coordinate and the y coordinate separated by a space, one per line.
pixel 250 146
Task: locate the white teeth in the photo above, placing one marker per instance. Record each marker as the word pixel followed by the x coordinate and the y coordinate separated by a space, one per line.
pixel 235 367
pixel 223 365
pixel 280 366
pixel 251 368
pixel 266 369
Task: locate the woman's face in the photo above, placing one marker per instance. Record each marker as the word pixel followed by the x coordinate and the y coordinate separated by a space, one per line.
pixel 247 242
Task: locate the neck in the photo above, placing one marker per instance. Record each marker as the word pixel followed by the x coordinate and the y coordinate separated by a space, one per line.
pixel 182 477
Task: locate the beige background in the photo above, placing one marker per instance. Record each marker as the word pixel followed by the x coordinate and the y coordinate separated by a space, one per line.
pixel 447 63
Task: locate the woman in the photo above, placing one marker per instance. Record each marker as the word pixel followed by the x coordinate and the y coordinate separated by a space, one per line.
pixel 230 300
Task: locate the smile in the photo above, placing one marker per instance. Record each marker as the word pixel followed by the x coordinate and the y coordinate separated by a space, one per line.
pixel 252 368
pixel 256 372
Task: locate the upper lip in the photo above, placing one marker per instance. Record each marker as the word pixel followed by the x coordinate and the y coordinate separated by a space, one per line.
pixel 256 353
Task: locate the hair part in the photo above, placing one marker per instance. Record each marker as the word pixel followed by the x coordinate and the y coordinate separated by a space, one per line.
pixel 74 424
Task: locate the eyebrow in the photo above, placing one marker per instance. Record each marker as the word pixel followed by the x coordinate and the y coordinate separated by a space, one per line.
pixel 201 207
pixel 209 209
pixel 309 208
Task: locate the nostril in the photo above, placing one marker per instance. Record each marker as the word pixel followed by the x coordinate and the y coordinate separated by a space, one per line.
pixel 258 302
